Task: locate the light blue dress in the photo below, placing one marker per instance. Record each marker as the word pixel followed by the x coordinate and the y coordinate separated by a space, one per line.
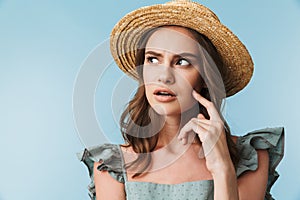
pixel 271 139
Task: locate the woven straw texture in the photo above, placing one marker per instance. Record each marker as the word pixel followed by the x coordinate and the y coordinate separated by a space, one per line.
pixel 128 31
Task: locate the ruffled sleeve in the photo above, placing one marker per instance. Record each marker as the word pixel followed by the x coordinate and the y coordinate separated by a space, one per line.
pixel 271 139
pixel 109 155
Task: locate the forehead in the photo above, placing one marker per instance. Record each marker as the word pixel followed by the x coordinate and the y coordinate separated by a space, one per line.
pixel 173 39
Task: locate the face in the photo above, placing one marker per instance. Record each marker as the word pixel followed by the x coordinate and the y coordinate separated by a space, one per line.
pixel 171 70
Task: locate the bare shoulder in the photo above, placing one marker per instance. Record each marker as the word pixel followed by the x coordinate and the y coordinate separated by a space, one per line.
pixel 106 186
pixel 253 184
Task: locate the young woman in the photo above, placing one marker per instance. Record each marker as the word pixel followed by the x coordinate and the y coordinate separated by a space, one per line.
pixel 177 143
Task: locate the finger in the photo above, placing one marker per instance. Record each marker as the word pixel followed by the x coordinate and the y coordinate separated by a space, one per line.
pixel 184 132
pixel 212 111
pixel 201 116
pixel 202 122
pixel 192 126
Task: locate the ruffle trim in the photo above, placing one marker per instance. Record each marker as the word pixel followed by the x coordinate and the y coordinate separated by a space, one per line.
pixel 109 156
pixel 271 139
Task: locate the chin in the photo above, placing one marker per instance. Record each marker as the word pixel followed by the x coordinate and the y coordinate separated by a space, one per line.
pixel 166 110
pixel 174 109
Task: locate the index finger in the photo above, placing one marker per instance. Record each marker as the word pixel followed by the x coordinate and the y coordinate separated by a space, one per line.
pixel 211 109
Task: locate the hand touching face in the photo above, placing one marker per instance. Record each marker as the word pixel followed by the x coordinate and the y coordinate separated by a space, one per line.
pixel 212 135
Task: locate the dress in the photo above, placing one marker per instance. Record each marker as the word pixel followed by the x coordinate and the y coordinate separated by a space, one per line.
pixel 271 139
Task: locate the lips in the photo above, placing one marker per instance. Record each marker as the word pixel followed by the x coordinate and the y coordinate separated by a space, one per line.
pixel 164 95
pixel 163 92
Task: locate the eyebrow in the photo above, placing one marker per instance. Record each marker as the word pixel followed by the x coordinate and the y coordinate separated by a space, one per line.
pixel 153 53
pixel 185 54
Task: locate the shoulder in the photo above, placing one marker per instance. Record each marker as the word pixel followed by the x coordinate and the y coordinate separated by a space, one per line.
pixel 106 186
pixel 253 184
pixel 107 155
pixel 104 164
pixel 260 152
pixel 270 139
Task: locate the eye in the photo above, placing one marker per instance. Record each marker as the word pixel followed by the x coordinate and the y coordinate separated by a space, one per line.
pixel 183 62
pixel 152 59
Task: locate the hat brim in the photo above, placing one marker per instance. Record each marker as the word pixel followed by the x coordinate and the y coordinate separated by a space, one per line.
pixel 128 31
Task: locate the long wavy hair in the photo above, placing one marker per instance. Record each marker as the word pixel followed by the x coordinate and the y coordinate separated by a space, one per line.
pixel 138 118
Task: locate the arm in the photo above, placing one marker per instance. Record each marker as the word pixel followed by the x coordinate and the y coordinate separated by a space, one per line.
pixel 107 187
pixel 252 184
pixel 225 184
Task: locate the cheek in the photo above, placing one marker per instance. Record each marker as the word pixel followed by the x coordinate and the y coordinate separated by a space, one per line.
pixel 151 74
pixel 192 81
pixel 147 92
pixel 145 75
pixel 147 78
pixel 146 81
pixel 197 83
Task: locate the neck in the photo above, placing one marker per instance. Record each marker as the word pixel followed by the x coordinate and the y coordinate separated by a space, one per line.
pixel 169 131
pixel 172 126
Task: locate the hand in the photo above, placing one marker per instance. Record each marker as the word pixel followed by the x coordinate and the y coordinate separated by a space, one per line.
pixel 212 135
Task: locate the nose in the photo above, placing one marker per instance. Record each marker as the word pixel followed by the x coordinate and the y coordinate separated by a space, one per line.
pixel 166 75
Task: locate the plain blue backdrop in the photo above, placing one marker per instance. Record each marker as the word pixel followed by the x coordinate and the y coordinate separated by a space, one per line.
pixel 42 47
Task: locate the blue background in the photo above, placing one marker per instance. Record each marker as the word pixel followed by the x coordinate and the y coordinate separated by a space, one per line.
pixel 42 47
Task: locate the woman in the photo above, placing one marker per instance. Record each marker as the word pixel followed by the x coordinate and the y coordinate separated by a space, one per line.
pixel 177 143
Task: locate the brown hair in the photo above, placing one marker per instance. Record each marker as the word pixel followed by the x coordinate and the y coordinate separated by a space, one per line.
pixel 135 121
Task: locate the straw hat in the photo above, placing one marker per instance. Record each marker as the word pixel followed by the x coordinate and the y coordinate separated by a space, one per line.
pixel 128 31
